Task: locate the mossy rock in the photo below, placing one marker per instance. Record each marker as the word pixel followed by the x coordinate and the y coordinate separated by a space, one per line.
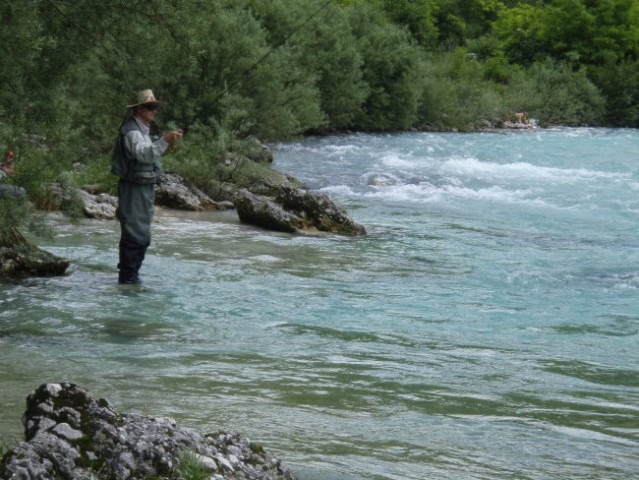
pixel 260 178
pixel 24 259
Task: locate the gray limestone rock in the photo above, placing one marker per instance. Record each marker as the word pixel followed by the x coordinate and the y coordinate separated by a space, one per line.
pixel 172 191
pixel 71 435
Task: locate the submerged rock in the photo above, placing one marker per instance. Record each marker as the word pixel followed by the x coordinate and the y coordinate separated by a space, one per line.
pixel 31 261
pixel 71 435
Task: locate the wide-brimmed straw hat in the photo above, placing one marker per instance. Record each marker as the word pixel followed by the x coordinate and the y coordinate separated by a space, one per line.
pixel 145 97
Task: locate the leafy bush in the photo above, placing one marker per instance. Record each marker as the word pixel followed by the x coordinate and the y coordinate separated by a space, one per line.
pixel 392 71
pixel 457 95
pixel 319 39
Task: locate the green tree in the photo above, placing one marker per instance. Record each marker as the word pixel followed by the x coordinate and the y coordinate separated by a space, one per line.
pixel 392 70
pixel 416 15
pixel 583 32
pixel 461 20
pixel 519 32
pixel 21 41
pixel 457 94
pixel 619 83
pixel 320 41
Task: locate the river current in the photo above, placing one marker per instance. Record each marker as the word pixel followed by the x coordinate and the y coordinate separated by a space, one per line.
pixel 486 327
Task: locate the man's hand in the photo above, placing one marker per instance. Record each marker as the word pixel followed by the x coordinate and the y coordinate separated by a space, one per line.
pixel 173 136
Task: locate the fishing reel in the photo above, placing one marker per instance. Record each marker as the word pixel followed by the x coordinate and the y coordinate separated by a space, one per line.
pixel 177 133
pixel 173 147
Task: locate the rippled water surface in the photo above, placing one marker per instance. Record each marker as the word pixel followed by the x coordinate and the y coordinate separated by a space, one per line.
pixel 485 328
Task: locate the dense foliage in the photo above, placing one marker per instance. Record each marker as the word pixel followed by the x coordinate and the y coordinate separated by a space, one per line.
pixel 231 70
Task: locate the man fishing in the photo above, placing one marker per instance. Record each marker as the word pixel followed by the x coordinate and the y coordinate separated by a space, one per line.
pixel 136 160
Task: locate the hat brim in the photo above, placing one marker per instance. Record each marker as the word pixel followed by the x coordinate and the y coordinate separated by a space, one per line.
pixel 155 103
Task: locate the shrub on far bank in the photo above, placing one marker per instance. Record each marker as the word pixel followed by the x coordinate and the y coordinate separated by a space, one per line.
pixel 457 95
pixel 555 95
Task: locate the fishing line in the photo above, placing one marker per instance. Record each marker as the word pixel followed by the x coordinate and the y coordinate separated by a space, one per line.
pixel 266 55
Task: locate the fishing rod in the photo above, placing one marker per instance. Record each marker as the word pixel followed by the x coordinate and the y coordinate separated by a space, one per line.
pixel 267 54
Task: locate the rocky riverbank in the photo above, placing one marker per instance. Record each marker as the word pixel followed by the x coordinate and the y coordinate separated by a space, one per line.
pixel 271 200
pixel 72 435
pixel 284 205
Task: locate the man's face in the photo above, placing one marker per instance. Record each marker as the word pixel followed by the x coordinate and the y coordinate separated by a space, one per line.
pixel 147 113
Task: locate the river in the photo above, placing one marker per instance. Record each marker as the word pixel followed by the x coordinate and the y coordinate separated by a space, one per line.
pixel 486 327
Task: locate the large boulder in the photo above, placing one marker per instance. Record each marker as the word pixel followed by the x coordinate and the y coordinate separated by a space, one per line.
pixel 71 435
pixel 274 200
pixel 263 212
pixel 295 210
pixel 318 211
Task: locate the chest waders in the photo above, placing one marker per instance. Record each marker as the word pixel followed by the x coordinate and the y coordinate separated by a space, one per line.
pixel 135 209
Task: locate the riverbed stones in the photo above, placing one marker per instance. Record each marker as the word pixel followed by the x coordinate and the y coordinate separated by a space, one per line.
pixel 71 435
pixel 262 197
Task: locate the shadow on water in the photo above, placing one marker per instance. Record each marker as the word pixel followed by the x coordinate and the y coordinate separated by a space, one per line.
pixel 590 372
pixel 605 325
pixel 347 336
pixel 131 329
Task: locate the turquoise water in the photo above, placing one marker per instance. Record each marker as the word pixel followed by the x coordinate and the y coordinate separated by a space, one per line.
pixel 485 328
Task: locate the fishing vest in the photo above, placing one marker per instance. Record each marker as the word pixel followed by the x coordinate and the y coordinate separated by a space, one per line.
pixel 130 169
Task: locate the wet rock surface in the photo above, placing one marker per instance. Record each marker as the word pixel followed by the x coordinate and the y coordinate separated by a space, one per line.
pixel 71 435
pixel 282 206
